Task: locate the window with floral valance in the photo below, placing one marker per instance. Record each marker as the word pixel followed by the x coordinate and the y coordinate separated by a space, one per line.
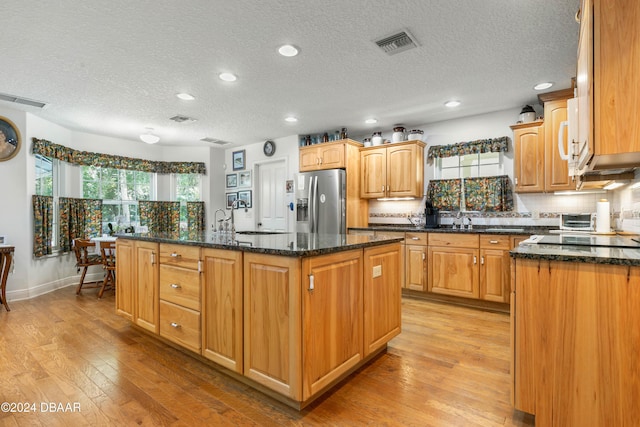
pixel 487 194
pixel 490 145
pixel 87 158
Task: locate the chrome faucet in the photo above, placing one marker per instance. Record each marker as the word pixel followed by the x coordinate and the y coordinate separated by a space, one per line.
pixel 235 205
pixel 215 219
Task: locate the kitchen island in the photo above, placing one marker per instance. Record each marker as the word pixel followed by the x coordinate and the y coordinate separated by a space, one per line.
pixel 575 340
pixel 290 314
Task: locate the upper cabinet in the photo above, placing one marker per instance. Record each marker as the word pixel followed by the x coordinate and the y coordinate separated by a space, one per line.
pixel 528 159
pixel 608 104
pixel 328 155
pixel 556 170
pixel 394 170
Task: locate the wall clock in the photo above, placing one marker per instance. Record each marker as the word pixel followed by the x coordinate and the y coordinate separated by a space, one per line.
pixel 269 148
pixel 9 139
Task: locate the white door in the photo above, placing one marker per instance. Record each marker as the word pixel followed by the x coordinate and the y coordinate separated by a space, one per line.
pixel 271 183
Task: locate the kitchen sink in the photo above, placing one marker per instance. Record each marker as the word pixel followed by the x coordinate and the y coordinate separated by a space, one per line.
pixel 504 230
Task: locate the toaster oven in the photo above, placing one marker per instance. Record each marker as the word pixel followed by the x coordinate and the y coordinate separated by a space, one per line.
pixel 577 222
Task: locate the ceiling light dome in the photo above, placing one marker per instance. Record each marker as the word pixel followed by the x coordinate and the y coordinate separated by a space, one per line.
pixel 543 86
pixel 228 77
pixel 185 96
pixel 371 121
pixel 288 50
pixel 149 137
pixel 291 119
pixel 452 104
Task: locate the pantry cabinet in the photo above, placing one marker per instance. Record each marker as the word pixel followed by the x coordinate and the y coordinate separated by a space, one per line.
pixel 393 170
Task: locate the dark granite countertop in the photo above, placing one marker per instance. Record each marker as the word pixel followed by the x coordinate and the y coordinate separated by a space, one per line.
pixel 619 255
pixel 285 244
pixel 479 229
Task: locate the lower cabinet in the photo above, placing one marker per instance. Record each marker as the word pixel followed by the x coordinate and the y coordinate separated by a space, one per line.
pixel 453 264
pixel 145 285
pixel 272 323
pixel 494 267
pixel 222 307
pixel 416 255
pixel 332 318
pixel 125 275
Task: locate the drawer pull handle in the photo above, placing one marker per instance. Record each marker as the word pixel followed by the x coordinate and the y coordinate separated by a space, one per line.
pixel 475 260
pixel 493 242
pixel 415 238
pixel 175 325
pixel 175 286
pixel 175 255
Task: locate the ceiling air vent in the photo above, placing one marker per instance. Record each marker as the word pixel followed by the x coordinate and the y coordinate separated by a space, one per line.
pixel 397 43
pixel 23 101
pixel 182 119
pixel 215 141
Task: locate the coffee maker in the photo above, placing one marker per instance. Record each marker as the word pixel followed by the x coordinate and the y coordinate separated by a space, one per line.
pixel 431 216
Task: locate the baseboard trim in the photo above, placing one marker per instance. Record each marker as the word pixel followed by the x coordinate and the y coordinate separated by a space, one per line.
pixel 45 288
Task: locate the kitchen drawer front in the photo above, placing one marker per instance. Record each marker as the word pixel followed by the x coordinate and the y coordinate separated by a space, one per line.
pixel 456 240
pixel 180 286
pixel 180 325
pixel 417 238
pixel 180 255
pixel 495 241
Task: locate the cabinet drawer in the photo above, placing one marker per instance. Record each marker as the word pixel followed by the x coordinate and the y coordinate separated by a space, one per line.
pixel 495 241
pixel 180 255
pixel 180 325
pixel 454 240
pixel 180 286
pixel 417 238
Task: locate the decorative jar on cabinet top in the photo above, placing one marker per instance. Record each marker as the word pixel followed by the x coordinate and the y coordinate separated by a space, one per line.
pixel 398 134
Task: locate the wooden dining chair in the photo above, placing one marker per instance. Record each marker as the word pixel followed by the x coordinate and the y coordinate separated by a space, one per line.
pixel 84 260
pixel 108 253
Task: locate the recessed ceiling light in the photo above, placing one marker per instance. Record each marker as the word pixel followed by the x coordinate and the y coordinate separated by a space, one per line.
pixel 371 121
pixel 452 103
pixel 543 86
pixel 149 137
pixel 185 96
pixel 228 77
pixel 290 119
pixel 288 50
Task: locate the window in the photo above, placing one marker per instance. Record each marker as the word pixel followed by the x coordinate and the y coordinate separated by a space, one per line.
pixel 469 166
pixel 120 191
pixel 47 184
pixel 186 188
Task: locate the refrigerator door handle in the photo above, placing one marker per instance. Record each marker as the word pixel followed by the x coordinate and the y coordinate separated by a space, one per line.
pixel 310 204
pixel 315 204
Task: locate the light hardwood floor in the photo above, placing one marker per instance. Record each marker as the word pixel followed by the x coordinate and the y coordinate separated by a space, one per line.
pixel 448 367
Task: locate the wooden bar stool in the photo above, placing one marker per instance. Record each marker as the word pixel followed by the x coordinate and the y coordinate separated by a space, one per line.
pixel 6 255
pixel 108 253
pixel 85 260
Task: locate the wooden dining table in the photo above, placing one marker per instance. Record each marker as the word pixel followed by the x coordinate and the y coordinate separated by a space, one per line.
pixel 6 256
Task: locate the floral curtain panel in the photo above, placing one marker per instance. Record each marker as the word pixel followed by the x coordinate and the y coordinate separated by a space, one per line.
pixel 195 219
pixel 160 217
pixel 79 219
pixel 488 194
pixel 87 158
pixel 42 225
pixel 445 193
pixel 491 145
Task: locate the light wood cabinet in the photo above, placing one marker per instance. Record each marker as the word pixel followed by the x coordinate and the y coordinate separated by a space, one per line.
pixel 453 264
pixel 394 170
pixel 180 299
pixel 332 324
pixel 608 60
pixel 328 155
pixel 528 158
pixel 222 307
pixel 575 344
pixel 146 285
pixel 272 323
pixel 556 170
pixel 416 254
pixel 494 267
pixel 382 295
pixel 125 274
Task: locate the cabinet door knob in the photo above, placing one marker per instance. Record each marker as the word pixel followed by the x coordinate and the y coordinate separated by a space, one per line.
pixel 175 325
pixel 175 286
pixel 493 242
pixel 175 255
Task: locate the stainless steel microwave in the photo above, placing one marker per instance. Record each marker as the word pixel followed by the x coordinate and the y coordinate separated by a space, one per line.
pixel 577 222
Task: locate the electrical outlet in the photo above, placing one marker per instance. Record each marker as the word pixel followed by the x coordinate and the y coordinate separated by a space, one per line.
pixel 535 215
pixel 377 271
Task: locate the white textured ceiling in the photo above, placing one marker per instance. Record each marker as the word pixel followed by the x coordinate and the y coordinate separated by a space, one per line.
pixel 114 67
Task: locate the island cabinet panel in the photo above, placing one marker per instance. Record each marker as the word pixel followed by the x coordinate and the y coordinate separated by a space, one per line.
pixel 332 323
pixel 382 295
pixel 222 308
pixel 146 285
pixel 180 286
pixel 272 323
pixel 180 325
pixel 125 274
pixel 579 321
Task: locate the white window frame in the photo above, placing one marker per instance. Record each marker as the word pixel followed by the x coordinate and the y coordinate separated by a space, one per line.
pixel 173 183
pixel 57 174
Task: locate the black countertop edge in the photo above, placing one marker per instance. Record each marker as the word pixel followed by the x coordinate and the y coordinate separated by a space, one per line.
pixel 245 243
pixel 613 256
pixel 478 229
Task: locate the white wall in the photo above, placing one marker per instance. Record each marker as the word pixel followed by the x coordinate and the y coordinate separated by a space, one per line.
pixel 32 276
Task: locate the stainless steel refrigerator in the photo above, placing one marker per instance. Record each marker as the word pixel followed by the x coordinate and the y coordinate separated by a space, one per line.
pixel 320 202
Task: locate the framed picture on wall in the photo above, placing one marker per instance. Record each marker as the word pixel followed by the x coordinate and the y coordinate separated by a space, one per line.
pixel 244 179
pixel 232 180
pixel 245 196
pixel 238 159
pixel 231 197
